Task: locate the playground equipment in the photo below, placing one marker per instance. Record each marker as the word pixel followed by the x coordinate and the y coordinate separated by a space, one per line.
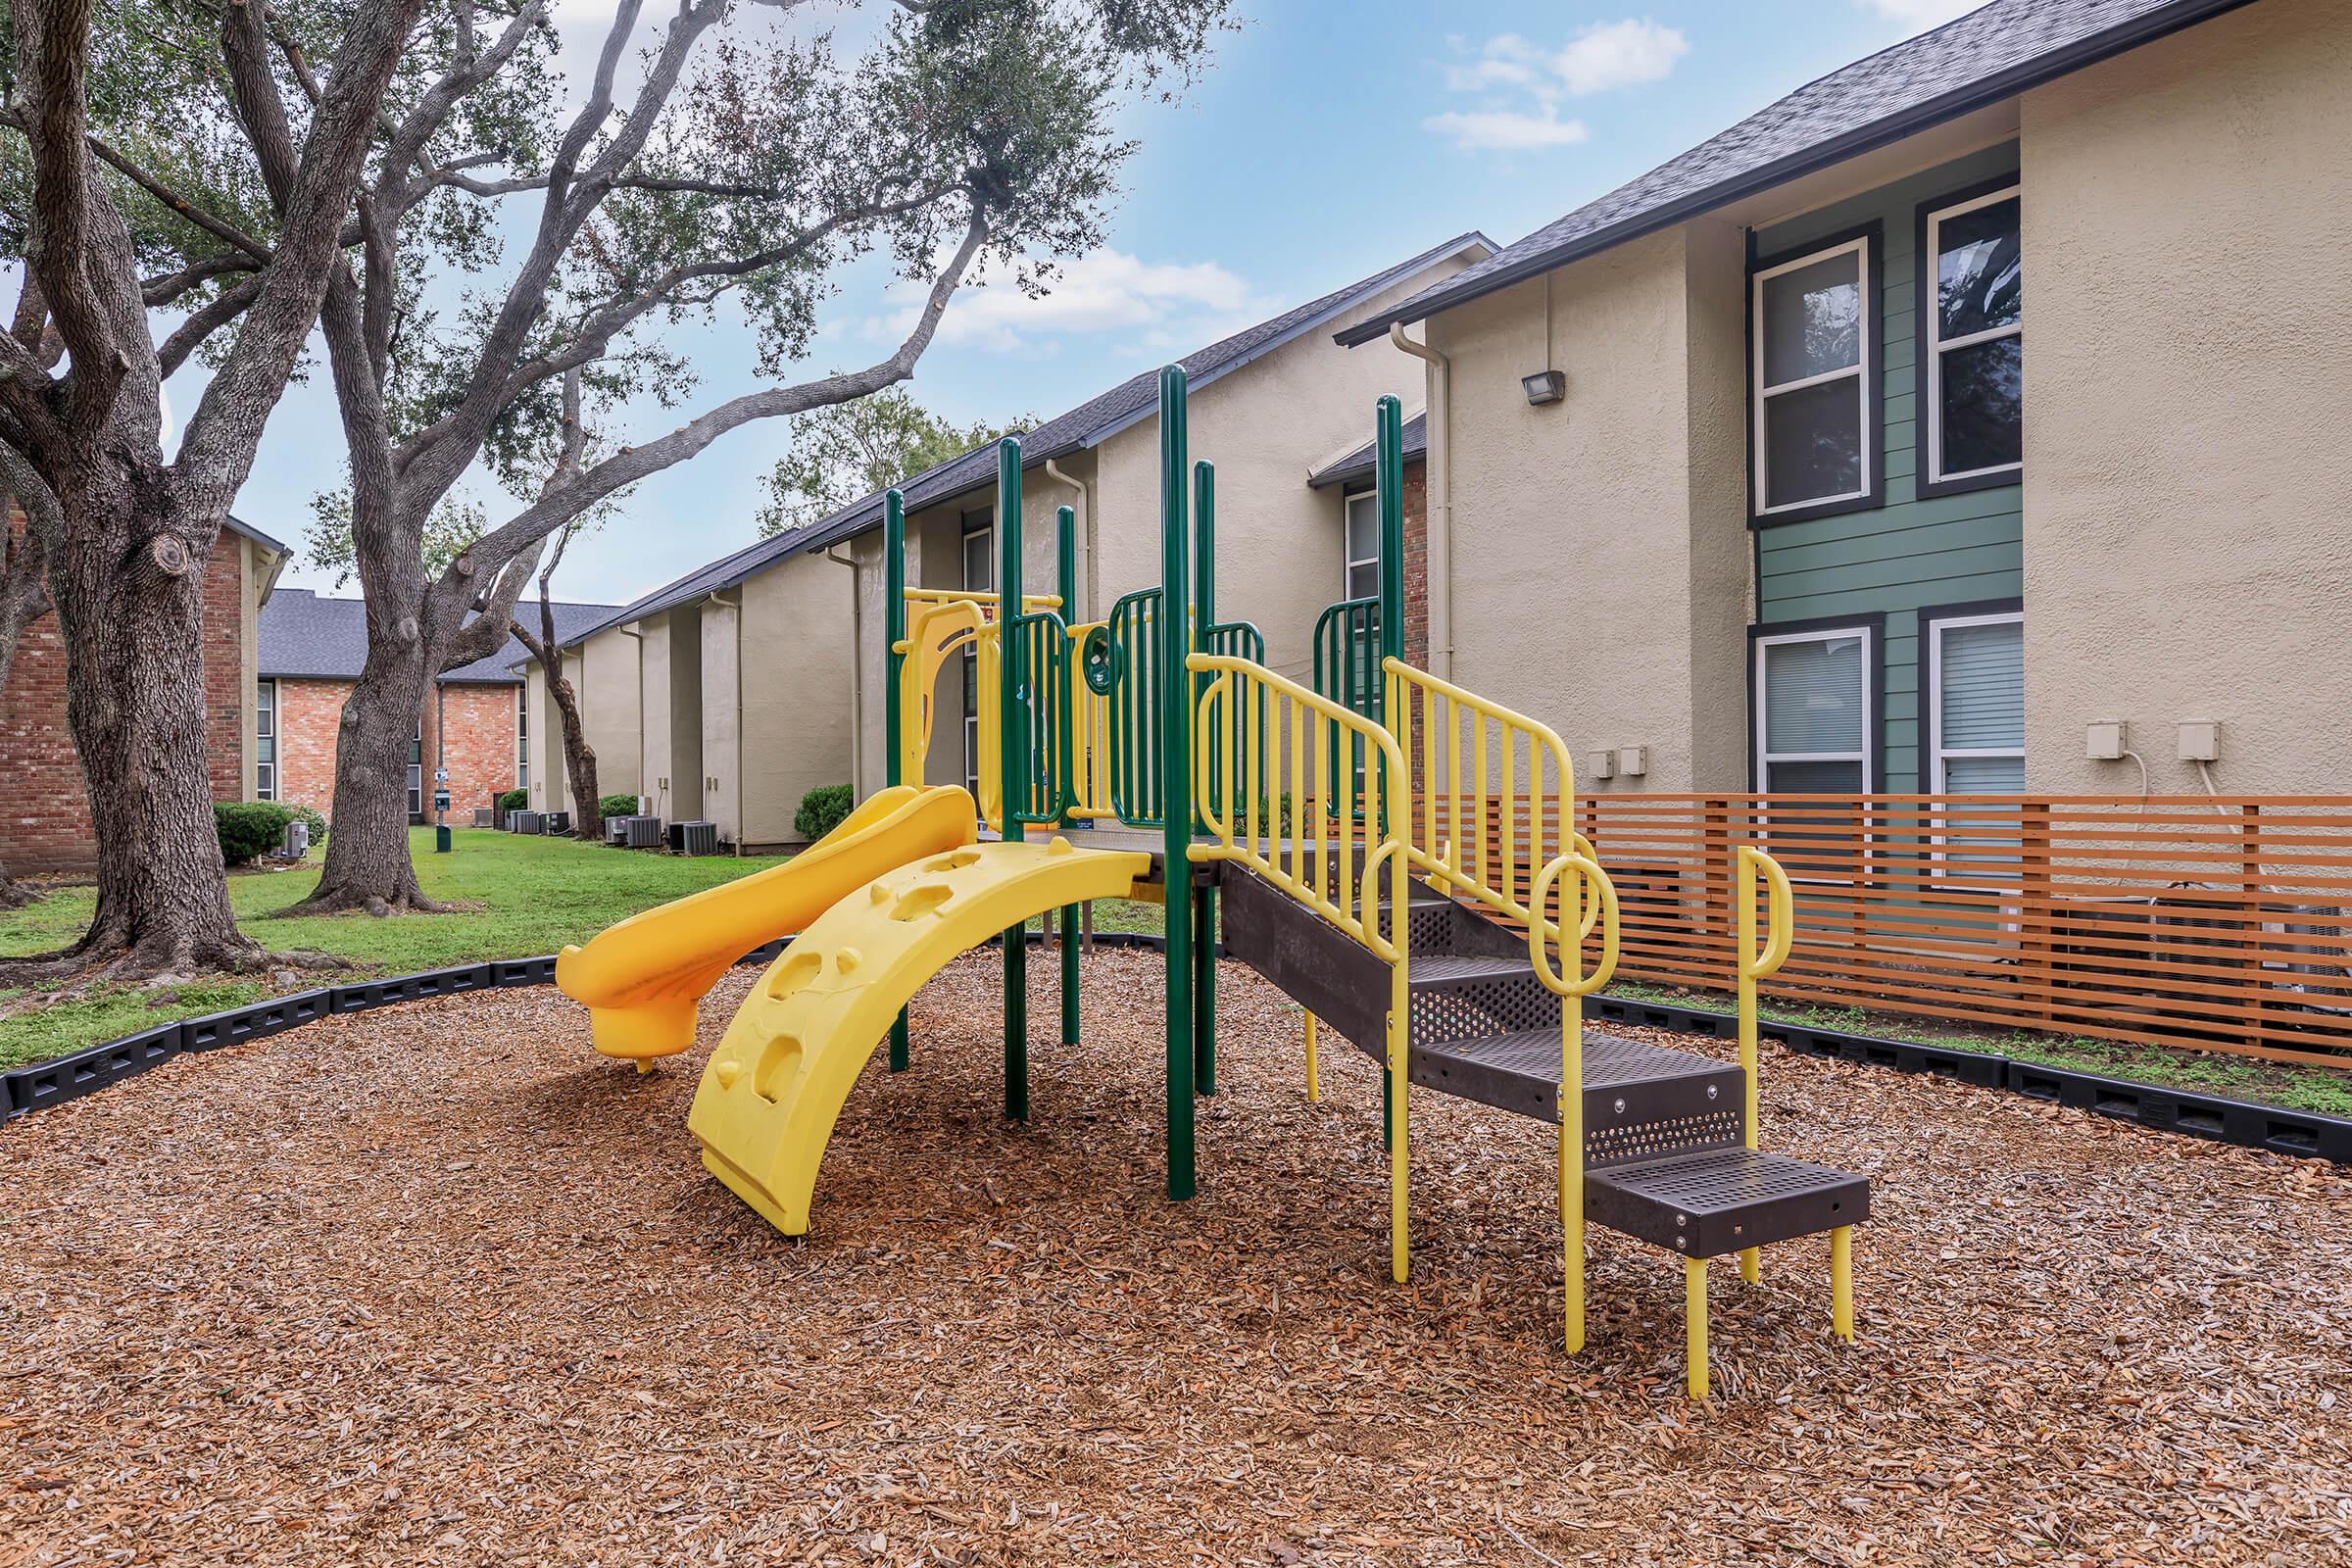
pixel 1395 852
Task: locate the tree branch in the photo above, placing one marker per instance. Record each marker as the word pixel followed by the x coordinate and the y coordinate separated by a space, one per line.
pixel 220 228
pixel 632 464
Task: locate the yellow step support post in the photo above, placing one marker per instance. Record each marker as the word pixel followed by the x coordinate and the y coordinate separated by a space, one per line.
pixel 1314 1086
pixel 1695 1326
pixel 1579 916
pixel 1841 1282
pixel 1749 864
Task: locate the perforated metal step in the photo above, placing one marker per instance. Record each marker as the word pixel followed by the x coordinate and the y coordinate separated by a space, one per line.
pixel 1717 1200
pixel 1639 1099
pixel 1466 997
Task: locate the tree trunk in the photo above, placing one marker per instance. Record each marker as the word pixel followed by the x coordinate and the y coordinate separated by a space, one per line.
pixel 367 861
pixel 579 762
pixel 128 592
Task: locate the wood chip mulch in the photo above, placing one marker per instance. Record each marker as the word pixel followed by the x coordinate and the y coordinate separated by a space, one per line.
pixel 436 1285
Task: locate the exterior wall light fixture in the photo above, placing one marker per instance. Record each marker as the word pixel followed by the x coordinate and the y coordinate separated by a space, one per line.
pixel 1544 386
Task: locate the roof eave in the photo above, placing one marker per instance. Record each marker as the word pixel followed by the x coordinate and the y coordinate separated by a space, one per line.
pixel 2027 73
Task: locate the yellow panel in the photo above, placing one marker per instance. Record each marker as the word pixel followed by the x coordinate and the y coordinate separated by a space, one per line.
pixel 774 1087
pixel 643 980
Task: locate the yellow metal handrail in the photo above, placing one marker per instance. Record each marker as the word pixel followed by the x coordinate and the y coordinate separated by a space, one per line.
pixel 1254 729
pixel 1755 964
pixel 1447 841
pixel 1030 603
pixel 1090 730
pixel 1572 986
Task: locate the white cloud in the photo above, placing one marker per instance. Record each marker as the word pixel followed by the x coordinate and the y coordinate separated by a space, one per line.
pixel 1619 54
pixel 1520 83
pixel 1921 14
pixel 1506 128
pixel 1183 303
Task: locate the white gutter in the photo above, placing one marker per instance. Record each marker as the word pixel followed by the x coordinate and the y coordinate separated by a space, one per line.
pixel 1086 547
pixel 743 816
pixel 1438 501
pixel 856 672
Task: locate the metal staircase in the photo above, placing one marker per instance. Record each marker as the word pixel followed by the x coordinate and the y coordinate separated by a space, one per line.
pixel 1666 1137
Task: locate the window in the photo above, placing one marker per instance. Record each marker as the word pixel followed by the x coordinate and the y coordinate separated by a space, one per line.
pixel 416 773
pixel 264 741
pixel 523 737
pixel 1976 704
pixel 1972 356
pixel 1814 324
pixel 1816 711
pixel 979 575
pixel 1362 546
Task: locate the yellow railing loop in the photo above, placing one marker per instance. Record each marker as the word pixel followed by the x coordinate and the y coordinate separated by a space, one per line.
pixel 1573 984
pixel 1749 864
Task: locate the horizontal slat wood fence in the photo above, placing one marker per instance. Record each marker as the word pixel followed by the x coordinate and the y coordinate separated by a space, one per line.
pixel 2221 923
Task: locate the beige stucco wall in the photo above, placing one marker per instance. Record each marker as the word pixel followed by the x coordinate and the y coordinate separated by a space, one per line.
pixel 722 740
pixel 796 701
pixel 1600 562
pixel 605 673
pixel 685 771
pixel 253 576
pixel 2188 478
pixel 654 714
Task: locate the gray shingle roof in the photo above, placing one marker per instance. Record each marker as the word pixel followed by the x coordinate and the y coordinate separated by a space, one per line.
pixel 1090 423
pixel 302 634
pixel 1357 465
pixel 1981 58
pixel 239 525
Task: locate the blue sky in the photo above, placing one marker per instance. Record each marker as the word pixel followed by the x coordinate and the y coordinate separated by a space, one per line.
pixel 1331 138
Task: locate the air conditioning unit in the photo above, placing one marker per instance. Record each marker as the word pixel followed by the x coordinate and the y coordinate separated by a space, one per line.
pixel 528 821
pixel 297 842
pixel 640 832
pixel 514 822
pixel 485 816
pixel 555 822
pixel 694 838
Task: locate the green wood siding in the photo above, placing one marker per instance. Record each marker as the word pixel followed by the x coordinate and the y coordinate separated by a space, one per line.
pixel 1909 554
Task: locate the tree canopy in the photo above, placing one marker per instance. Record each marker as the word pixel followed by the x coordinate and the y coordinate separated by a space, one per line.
pixel 847 449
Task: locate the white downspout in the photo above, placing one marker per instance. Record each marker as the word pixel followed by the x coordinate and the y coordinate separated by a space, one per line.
pixel 856 674
pixel 743 815
pixel 1086 547
pixel 1438 492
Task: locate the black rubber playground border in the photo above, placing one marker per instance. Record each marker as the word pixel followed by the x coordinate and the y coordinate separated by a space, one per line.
pixel 2303 1135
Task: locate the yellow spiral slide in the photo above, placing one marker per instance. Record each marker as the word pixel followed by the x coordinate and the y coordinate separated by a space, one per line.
pixel 766 1108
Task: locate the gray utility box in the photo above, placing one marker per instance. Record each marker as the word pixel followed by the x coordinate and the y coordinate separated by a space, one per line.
pixel 694 838
pixel 555 822
pixel 526 822
pixel 485 816
pixel 640 832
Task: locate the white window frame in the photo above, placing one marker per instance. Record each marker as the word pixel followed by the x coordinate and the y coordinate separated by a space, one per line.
pixel 1765 756
pixel 416 772
pixel 1937 752
pixel 1860 370
pixel 1348 561
pixel 264 729
pixel 522 738
pixel 1937 345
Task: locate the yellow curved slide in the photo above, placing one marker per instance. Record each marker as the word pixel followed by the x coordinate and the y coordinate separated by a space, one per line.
pixel 643 980
pixel 772 1087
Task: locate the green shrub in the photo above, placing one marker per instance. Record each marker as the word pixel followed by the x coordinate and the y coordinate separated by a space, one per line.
pixel 514 801
pixel 249 829
pixel 821 810
pixel 317 820
pixel 616 806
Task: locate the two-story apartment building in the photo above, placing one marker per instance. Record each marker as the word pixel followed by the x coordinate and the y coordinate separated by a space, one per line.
pixel 1914 432
pixel 729 694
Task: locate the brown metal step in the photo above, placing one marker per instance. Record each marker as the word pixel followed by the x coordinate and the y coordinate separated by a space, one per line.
pixel 1709 1201
pixel 1638 1097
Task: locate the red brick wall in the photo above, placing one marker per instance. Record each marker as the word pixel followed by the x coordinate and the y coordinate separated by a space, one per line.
pixel 479 750
pixel 1416 565
pixel 45 822
pixel 477 746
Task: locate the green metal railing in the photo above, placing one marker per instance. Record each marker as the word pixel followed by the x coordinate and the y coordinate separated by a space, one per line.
pixel 1132 666
pixel 1039 726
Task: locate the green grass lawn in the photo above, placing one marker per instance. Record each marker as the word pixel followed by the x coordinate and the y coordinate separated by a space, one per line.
pixel 523 897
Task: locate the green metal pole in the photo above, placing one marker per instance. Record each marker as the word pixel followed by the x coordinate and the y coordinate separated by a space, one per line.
pixel 1065 575
pixel 1205 904
pixel 894 632
pixel 1388 442
pixel 1176 779
pixel 1013 771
